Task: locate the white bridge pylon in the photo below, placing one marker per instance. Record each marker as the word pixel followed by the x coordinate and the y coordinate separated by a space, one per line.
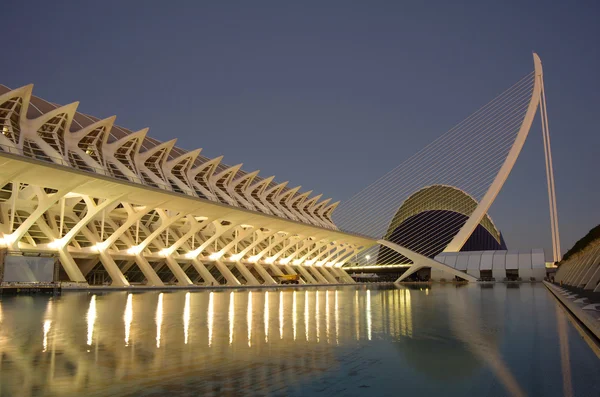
pixel 475 157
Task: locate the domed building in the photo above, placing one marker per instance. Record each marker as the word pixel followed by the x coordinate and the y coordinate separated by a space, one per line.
pixel 428 220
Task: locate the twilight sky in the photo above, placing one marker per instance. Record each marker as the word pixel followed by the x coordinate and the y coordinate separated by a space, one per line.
pixel 328 95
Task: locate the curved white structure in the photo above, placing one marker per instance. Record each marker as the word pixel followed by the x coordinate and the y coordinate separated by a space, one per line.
pixel 537 97
pixel 119 207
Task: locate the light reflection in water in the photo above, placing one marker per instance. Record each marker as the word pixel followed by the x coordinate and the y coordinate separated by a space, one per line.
pixel 128 317
pixel 249 318
pixel 91 319
pixel 406 327
pixel 280 314
pixel 337 335
pixel 210 315
pixel 356 316
pixel 47 324
pixel 317 319
pixel 246 356
pixel 231 317
pixel 159 318
pixel 294 319
pixel 267 316
pixel 369 319
pixel 306 317
pixel 186 317
pixel 327 315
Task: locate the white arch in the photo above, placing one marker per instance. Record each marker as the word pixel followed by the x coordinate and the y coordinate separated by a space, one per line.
pixel 484 204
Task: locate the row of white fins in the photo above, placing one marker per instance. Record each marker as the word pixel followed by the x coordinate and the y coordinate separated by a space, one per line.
pixel 88 149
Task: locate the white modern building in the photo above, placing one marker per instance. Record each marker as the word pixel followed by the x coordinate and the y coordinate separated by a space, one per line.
pixel 118 207
pixel 495 265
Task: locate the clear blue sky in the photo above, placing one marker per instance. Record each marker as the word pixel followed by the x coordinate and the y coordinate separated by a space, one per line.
pixel 328 95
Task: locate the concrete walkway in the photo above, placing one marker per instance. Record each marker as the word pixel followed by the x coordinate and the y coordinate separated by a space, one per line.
pixel 586 312
pixel 108 288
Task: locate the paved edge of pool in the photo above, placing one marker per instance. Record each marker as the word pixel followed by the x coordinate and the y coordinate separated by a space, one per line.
pixel 208 287
pixel 589 318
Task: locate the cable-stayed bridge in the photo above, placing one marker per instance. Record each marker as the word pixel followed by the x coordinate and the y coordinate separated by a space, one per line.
pixel 447 188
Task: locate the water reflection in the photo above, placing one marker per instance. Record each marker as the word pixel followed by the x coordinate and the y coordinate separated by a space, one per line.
pixel 159 319
pixel 266 316
pixel 418 339
pixel 47 324
pixel 306 316
pixel 369 319
pixel 128 317
pixel 91 319
pixel 211 315
pixel 186 318
pixel 231 317
pixel 280 314
pixel 249 318
pixel 294 314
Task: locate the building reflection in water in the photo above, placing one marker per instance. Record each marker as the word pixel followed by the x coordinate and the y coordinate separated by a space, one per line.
pixel 317 319
pixel 306 316
pixel 280 314
pixel 47 325
pixel 266 316
pixel 231 316
pixel 210 316
pixel 249 318
pixel 63 366
pixel 186 318
pixel 91 319
pixel 159 318
pixel 128 317
pixel 369 319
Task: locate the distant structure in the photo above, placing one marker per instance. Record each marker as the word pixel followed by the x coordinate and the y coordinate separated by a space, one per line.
pixel 428 220
pixel 118 207
pixel 436 202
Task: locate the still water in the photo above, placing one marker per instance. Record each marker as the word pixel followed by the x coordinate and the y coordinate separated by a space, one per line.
pixel 448 340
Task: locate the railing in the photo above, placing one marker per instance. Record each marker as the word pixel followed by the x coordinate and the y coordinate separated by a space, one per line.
pixel 105 172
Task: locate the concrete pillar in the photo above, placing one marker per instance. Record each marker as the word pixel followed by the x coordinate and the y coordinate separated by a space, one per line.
pixel 118 279
pixel 182 278
pixel 250 279
pixel 325 271
pixel 71 268
pixel 231 280
pixel 317 275
pixel 152 278
pixel 204 273
pixel 264 274
pixel 307 276
pixel 343 275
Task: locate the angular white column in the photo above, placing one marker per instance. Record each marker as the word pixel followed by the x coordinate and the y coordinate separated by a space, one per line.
pixel 324 271
pixel 264 274
pixel 318 275
pixel 118 279
pixel 152 278
pixel 204 273
pixel 182 278
pixel 71 268
pixel 231 280
pixel 250 279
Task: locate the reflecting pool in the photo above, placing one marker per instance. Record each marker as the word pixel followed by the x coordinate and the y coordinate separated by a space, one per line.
pixel 480 340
